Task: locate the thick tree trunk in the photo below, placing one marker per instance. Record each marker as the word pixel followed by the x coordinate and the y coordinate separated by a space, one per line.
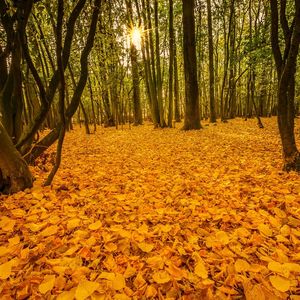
pixel 15 175
pixel 286 69
pixel 192 115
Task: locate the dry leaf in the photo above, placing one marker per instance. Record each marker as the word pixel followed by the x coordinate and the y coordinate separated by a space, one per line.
pixel 161 277
pixel 67 295
pixel 145 247
pixel 118 283
pixel 85 289
pixel 47 284
pixel 95 226
pixel 51 230
pixel 265 229
pixel 5 270
pixel 200 270
pixel 241 265
pixel 7 224
pixel 280 283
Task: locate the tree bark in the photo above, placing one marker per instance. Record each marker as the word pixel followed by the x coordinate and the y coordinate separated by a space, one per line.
pixel 213 117
pixel 192 115
pixel 15 175
pixel 286 69
pixel 171 63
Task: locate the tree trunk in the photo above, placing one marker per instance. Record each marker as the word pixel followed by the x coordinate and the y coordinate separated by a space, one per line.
pixel 159 82
pixel 171 63
pixel 15 175
pixel 213 117
pixel 286 69
pixel 192 116
pixel 137 110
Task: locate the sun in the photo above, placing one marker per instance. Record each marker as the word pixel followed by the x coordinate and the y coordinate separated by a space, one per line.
pixel 136 37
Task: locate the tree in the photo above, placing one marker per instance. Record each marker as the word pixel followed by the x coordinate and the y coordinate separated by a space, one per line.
pixel 15 175
pixel 213 117
pixel 286 69
pixel 137 111
pixel 171 63
pixel 192 114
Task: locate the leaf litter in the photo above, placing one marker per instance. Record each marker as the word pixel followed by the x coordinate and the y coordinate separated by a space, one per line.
pixel 157 214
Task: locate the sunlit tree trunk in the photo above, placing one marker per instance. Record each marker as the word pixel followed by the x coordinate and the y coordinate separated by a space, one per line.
pixel 137 110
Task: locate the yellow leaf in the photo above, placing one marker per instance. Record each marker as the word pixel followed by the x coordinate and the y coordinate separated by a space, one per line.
pixel 85 289
pixel 111 247
pixel 107 275
pixel 5 270
pixel 71 250
pixel 241 265
pixel 7 224
pixel 139 281
pixel 265 229
pixel 18 213
pixel 51 230
pixel 119 282
pixel 145 247
pixel 14 241
pixel 155 262
pixel 67 295
pixel 73 223
pixel 130 271
pixel 279 283
pixel 200 270
pixel 151 292
pixel 161 277
pixel 176 272
pixel 3 251
pixel 276 267
pixel 243 232
pixel 95 226
pixel 35 227
pixel 293 267
pixel 47 284
pixel 222 237
pixel 121 297
pixel 279 213
pixel 124 233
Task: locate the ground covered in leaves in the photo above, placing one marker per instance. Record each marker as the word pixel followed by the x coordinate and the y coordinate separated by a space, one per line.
pixel 145 213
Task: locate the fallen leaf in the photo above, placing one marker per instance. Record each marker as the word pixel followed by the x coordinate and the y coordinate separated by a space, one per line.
pixel 95 226
pixel 241 265
pixel 280 283
pixel 7 224
pixel 200 270
pixel 118 283
pixel 145 247
pixel 161 277
pixel 265 230
pixel 47 284
pixel 85 289
pixel 51 230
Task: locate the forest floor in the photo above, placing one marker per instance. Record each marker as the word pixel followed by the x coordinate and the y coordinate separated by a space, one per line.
pixel 146 213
